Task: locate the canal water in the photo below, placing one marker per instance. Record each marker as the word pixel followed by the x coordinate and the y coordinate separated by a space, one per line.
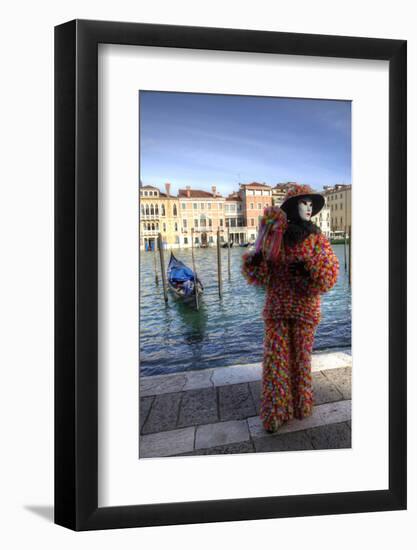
pixel 176 338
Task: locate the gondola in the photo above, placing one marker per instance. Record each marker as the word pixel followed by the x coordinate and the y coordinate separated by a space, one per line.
pixel 226 245
pixel 181 281
pixel 244 245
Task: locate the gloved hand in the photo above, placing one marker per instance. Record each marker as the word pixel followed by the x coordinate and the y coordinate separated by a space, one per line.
pixel 298 268
pixel 256 258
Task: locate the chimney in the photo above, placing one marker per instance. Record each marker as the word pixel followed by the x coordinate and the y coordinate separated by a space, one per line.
pixel 167 188
pixel 187 188
pixel 213 190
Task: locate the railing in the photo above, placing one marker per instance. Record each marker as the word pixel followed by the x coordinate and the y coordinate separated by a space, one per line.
pixel 149 216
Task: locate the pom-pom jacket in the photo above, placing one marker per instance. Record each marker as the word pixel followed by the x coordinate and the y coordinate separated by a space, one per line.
pixel 297 296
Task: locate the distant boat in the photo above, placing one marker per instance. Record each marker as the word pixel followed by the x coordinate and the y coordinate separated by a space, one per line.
pixel 244 244
pixel 182 281
pixel 226 245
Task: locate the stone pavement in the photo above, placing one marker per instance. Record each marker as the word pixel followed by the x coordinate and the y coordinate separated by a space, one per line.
pixel 215 411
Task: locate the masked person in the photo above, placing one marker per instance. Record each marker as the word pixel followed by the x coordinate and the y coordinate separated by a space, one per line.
pixel 296 264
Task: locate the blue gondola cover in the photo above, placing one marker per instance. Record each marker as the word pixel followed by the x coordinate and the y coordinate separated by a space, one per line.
pixel 179 272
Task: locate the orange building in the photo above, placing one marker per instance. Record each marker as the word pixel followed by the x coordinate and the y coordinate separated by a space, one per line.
pixel 255 197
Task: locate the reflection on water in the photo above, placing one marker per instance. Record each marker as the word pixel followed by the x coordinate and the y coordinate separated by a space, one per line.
pixel 175 337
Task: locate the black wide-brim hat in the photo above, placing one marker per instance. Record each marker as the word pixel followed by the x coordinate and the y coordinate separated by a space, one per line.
pixel 297 192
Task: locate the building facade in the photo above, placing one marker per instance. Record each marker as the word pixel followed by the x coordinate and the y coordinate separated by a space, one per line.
pixel 339 202
pixel 322 219
pixel 202 212
pixel 279 191
pixel 255 198
pixel 159 213
pixel 233 213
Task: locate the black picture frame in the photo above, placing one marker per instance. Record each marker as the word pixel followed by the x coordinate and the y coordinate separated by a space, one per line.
pixel 76 273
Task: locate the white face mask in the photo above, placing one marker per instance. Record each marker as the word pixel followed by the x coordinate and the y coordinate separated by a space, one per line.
pixel 305 209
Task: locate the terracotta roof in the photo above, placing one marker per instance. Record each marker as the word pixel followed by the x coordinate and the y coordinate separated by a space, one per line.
pixel 234 197
pixel 197 194
pixel 256 184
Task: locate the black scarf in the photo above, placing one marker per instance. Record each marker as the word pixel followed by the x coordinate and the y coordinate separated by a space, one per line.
pixel 298 230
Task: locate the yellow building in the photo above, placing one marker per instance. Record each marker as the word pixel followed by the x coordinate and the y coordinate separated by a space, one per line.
pixel 159 213
pixel 339 202
pixel 204 213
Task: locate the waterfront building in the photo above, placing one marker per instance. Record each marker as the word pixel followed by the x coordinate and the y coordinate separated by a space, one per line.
pixel 233 213
pixel 339 201
pixel 279 191
pixel 322 219
pixel 255 197
pixel 150 206
pixel 204 212
pixel 159 213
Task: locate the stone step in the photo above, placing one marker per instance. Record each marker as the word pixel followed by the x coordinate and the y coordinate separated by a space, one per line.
pixel 234 374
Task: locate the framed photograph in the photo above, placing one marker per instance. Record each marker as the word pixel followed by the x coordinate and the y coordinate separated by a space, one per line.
pixel 230 229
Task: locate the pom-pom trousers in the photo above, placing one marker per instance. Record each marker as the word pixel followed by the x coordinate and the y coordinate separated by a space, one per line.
pixel 286 377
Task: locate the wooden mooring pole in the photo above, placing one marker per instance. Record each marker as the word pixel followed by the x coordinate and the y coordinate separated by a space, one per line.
pixel 219 263
pixel 350 254
pixel 195 272
pixel 161 257
pixel 155 246
pixel 344 247
pixel 228 253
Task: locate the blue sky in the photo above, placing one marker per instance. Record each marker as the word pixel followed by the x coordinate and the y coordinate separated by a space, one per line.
pixel 203 140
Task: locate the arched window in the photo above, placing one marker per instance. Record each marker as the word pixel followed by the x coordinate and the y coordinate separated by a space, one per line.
pixel 176 226
pixel 152 210
pixel 142 210
pixel 147 209
pixel 174 209
pixel 157 226
pixel 156 210
pixel 163 209
pixel 153 227
pixel 149 226
pixel 164 226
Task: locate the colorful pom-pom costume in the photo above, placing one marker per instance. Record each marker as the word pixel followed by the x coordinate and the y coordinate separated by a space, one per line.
pixel 294 274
